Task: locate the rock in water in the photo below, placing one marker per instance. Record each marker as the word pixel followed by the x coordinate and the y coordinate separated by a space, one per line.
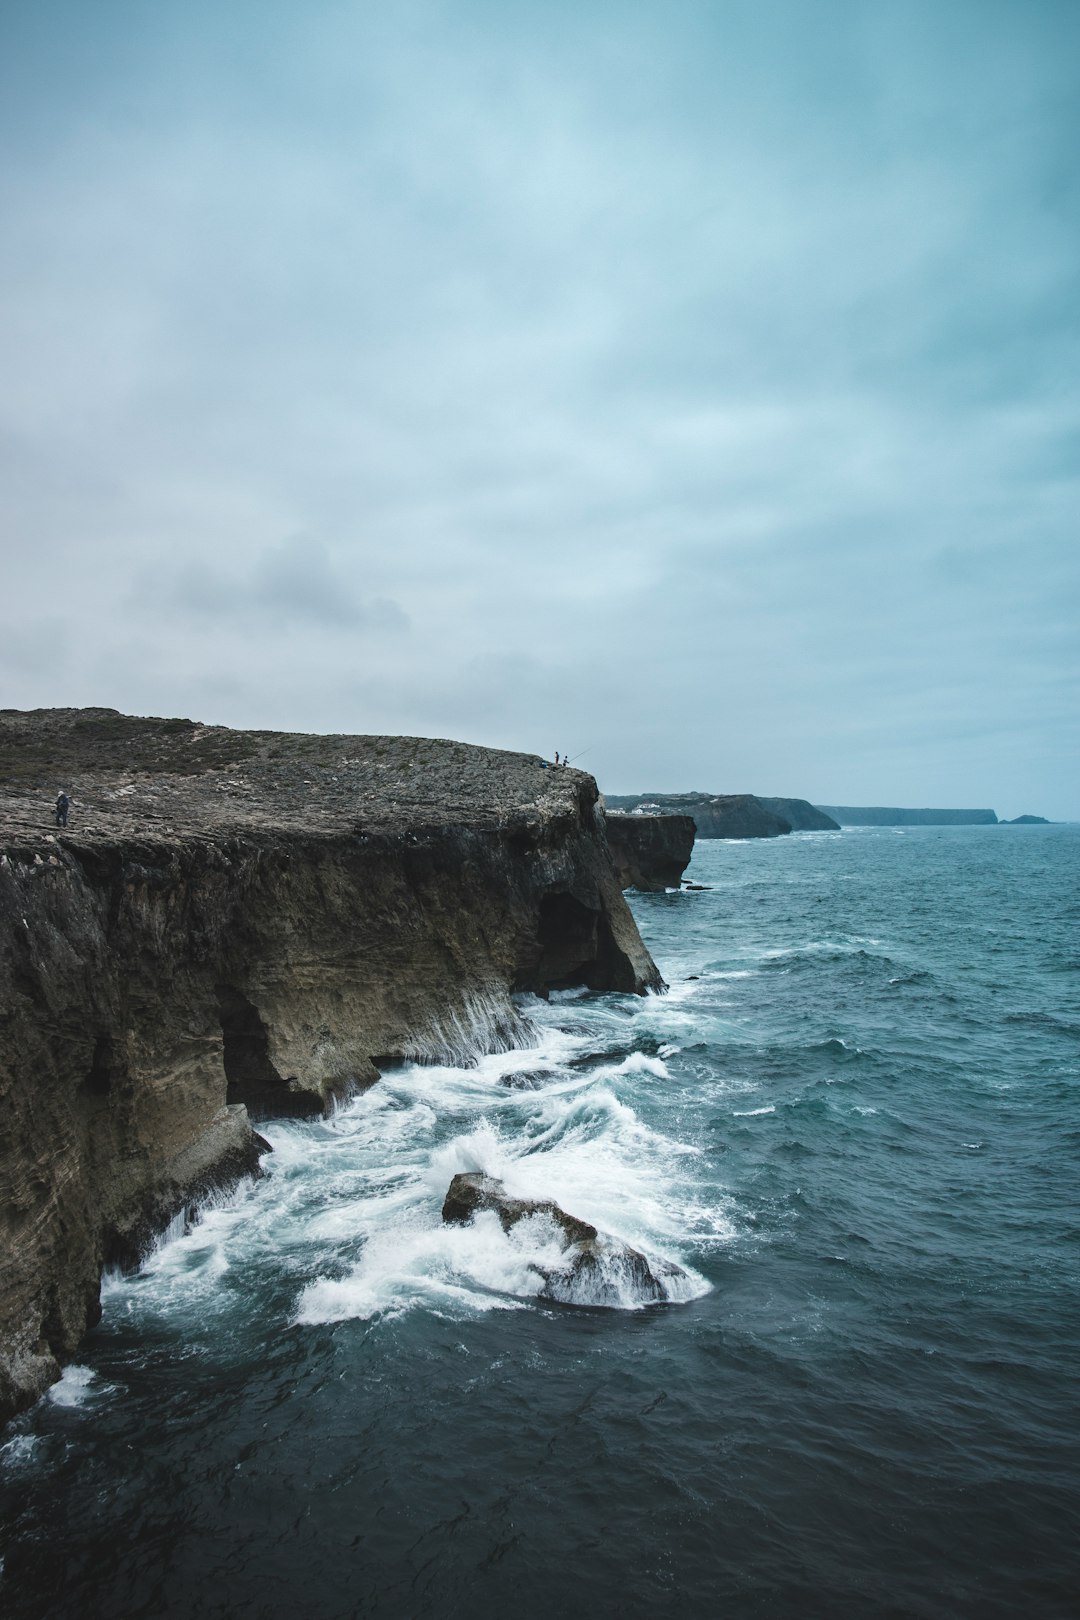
pixel 598 1270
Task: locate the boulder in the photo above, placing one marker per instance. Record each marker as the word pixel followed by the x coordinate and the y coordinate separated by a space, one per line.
pixel 598 1270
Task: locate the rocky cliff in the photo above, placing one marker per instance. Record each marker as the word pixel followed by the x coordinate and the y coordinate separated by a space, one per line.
pixel 241 924
pixel 801 815
pixel 650 852
pixel 716 815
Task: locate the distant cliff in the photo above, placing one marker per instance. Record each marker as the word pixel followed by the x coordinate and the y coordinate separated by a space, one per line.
pixel 801 814
pixel 716 815
pixel 650 852
pixel 876 816
pixel 250 921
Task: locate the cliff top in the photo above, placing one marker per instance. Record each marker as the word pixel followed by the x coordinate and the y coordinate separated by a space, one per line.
pixel 147 776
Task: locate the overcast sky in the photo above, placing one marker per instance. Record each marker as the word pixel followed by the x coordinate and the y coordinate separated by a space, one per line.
pixel 693 384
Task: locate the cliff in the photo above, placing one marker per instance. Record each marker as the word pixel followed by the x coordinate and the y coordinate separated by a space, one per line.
pixel 650 852
pixel 715 815
pixel 247 923
pixel 877 816
pixel 801 814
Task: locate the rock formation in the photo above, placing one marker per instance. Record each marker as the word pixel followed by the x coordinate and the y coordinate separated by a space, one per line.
pixel 1027 821
pixel 249 921
pixel 650 852
pixel 596 1270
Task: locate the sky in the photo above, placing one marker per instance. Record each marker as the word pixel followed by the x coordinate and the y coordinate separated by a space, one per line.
pixel 694 387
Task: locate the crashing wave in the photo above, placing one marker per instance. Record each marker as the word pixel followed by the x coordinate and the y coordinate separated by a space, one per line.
pixel 482 1023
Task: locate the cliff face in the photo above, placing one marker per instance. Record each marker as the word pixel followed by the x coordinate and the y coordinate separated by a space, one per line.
pixel 243 923
pixel 650 852
pixel 801 814
pixel 715 815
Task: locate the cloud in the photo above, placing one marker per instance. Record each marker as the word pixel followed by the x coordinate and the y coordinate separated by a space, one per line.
pixel 705 385
pixel 293 585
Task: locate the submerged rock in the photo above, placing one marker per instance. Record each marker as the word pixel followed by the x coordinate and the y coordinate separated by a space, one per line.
pixel 598 1270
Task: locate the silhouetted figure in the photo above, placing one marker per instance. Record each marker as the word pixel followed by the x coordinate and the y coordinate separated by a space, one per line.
pixel 556 756
pixel 63 805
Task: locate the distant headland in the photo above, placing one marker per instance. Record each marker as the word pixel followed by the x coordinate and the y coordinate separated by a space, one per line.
pixel 849 815
pixel 727 815
pixel 755 815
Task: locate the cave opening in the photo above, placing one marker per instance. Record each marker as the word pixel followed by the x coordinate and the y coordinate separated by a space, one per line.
pixel 249 1073
pixel 567 932
pixel 104 1067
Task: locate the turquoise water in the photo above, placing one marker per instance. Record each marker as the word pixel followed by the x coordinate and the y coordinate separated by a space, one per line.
pixel 852 1122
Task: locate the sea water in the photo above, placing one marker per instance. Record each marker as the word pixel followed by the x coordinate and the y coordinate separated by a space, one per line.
pixel 851 1122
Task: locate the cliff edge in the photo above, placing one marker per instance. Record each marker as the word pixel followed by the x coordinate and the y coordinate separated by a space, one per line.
pixel 242 924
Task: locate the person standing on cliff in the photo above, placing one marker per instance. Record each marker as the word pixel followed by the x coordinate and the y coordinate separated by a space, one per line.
pixel 63 805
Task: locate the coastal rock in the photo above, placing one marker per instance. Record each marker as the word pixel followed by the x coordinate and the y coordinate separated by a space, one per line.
pixel 250 922
pixel 650 852
pixel 1027 821
pixel 598 1270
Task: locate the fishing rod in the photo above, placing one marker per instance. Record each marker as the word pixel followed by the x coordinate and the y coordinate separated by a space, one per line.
pixel 584 751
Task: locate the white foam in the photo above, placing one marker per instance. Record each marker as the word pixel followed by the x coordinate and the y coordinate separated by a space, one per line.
pixel 351 1206
pixel 19 1449
pixel 751 1113
pixel 75 1386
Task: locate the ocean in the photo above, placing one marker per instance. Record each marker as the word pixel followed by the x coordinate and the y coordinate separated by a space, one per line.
pixel 852 1123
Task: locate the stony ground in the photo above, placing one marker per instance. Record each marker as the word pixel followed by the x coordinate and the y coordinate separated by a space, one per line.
pixel 138 776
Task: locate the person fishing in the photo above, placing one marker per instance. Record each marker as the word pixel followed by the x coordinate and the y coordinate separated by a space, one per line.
pixel 63 805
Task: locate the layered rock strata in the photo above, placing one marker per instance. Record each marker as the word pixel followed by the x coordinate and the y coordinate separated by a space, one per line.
pixel 247 923
pixel 650 852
